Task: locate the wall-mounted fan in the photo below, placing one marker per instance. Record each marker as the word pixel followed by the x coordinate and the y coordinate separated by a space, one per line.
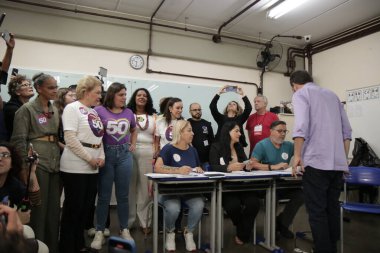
pixel 269 56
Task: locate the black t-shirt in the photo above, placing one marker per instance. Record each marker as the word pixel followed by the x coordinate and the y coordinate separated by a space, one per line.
pixel 13 190
pixel 203 138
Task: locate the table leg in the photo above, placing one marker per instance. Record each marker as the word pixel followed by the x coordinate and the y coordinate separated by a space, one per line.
pixel 155 217
pixel 219 219
pixel 213 214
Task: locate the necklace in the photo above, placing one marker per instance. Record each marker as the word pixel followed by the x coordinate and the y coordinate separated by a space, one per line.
pixel 146 124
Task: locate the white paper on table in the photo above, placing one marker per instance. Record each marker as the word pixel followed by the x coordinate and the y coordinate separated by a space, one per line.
pixel 161 175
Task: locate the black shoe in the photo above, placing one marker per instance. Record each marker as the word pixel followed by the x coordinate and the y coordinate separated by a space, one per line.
pixel 284 231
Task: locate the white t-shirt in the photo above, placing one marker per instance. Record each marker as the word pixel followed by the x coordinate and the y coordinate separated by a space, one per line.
pixel 89 128
pixel 164 131
pixel 145 136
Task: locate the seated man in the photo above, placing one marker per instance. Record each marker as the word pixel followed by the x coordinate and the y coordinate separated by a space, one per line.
pixel 273 153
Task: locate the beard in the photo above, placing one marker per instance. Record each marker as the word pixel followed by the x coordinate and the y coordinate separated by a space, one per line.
pixel 197 116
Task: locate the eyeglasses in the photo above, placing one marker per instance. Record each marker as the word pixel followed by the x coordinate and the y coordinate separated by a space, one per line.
pixel 280 131
pixel 196 110
pixel 5 155
pixel 25 85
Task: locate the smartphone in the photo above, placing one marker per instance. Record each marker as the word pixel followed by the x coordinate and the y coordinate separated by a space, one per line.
pixel 102 72
pixel 2 18
pixel 119 245
pixel 14 72
pixel 6 36
pixel 231 89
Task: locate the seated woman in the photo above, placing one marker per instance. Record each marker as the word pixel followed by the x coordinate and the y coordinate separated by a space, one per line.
pixel 228 155
pixel 13 191
pixel 179 157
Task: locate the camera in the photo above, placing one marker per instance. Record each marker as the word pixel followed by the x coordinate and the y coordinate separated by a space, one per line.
pixel 3 221
pixel 231 89
pixel 102 72
pixel 307 38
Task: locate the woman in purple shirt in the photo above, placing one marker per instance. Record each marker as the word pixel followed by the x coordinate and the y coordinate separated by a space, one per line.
pixel 119 141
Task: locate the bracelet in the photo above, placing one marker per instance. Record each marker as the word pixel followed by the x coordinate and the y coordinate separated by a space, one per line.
pixel 269 167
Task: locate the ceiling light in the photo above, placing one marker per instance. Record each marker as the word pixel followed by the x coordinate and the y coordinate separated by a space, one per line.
pixel 284 8
pixel 269 4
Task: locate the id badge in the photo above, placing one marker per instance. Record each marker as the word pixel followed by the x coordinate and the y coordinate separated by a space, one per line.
pixel 205 143
pixel 258 130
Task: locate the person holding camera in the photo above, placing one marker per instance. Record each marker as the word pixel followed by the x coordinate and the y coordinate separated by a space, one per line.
pixel 6 63
pixel 15 194
pixel 232 112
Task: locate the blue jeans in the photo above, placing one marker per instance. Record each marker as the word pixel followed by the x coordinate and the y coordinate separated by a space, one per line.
pixel 172 206
pixel 117 168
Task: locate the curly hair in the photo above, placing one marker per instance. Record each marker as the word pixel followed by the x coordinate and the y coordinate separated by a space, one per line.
pixel 149 103
pixel 16 164
pixel 14 85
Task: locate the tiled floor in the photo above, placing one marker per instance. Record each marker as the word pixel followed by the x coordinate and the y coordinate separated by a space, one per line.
pixel 362 235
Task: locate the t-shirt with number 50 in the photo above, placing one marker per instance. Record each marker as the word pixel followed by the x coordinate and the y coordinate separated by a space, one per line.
pixel 116 125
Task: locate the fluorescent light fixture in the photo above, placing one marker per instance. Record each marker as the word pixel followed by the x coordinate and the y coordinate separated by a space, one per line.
pixel 284 8
pixel 269 4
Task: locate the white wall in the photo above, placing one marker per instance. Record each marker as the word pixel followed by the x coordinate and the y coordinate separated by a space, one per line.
pixel 353 65
pixel 75 59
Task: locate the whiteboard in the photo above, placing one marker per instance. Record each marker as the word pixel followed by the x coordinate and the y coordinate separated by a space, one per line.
pixel 363 111
pixel 187 92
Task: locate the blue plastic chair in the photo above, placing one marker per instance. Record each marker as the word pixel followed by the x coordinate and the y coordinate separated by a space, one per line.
pixel 120 245
pixel 368 176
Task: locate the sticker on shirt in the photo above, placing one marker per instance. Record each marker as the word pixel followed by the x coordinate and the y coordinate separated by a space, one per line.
pixel 176 157
pixel 205 143
pixel 258 130
pixel 118 129
pixel 205 129
pixel 284 156
pixel 169 133
pixel 221 161
pixel 95 124
pixel 41 119
pixel 83 110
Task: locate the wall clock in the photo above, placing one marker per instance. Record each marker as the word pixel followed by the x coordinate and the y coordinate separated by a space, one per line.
pixel 136 61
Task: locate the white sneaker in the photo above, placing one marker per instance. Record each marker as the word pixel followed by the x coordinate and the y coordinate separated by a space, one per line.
pixel 98 240
pixel 189 240
pixel 106 232
pixel 170 241
pixel 91 232
pixel 125 234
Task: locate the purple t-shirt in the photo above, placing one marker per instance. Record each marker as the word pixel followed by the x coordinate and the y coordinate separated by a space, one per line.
pixel 117 125
pixel 321 120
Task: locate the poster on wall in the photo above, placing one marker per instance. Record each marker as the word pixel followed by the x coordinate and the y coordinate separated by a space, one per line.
pixel 363 113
